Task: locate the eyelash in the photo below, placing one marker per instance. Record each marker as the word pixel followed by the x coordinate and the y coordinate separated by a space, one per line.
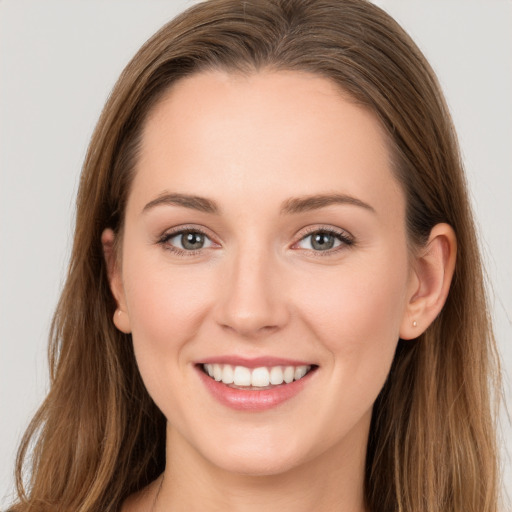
pixel 164 239
pixel 345 238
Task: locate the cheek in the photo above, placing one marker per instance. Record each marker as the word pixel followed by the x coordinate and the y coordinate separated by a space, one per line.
pixel 356 312
pixel 355 315
pixel 165 301
pixel 166 306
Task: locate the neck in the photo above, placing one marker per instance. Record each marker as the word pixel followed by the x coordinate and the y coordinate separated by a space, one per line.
pixel 326 482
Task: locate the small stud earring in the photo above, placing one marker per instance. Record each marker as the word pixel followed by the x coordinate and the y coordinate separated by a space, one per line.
pixel 414 323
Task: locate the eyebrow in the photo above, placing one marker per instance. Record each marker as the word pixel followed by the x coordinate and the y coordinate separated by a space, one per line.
pixel 193 202
pixel 291 206
pixel 315 202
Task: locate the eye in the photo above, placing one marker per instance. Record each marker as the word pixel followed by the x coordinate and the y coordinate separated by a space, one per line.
pixel 322 240
pixel 186 241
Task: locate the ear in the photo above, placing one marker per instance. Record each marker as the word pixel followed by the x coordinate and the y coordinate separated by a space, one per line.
pixel 121 317
pixel 433 270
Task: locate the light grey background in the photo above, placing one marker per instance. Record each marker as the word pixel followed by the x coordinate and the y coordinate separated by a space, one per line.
pixel 58 62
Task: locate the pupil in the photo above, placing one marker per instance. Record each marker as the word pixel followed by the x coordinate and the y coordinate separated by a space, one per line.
pixel 192 241
pixel 322 241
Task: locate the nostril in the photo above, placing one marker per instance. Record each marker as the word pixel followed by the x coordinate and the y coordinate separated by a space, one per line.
pixel 249 330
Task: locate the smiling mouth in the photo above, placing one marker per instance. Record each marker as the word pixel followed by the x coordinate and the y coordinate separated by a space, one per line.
pixel 254 379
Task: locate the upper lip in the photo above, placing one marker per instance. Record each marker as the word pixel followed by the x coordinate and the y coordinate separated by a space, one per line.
pixel 254 362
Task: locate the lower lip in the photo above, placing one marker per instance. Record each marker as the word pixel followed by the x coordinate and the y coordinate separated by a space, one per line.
pixel 253 400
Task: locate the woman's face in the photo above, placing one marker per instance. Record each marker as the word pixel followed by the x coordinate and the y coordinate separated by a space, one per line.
pixel 264 231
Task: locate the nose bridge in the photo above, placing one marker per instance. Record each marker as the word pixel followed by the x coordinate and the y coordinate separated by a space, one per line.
pixel 253 302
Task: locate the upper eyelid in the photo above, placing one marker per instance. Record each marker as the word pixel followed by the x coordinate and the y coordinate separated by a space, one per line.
pixel 305 231
pixel 328 229
pixel 314 229
pixel 170 232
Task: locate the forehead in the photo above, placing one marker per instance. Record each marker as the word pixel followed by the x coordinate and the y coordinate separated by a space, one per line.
pixel 269 134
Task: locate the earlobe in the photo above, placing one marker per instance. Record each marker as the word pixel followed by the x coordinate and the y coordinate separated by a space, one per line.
pixel 121 318
pixel 433 272
pixel 122 321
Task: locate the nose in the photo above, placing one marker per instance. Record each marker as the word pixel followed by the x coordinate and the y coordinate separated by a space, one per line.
pixel 253 301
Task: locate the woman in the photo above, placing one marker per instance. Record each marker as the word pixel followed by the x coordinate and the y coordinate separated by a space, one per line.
pixel 275 298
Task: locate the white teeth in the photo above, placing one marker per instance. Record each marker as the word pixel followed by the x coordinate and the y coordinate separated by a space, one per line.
pixel 276 375
pixel 217 372
pixel 227 374
pixel 300 371
pixel 260 377
pixel 289 374
pixel 257 377
pixel 242 376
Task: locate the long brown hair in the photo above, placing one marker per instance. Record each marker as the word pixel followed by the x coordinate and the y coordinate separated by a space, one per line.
pixel 98 437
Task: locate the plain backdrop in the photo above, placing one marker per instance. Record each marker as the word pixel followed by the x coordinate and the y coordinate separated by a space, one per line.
pixel 58 62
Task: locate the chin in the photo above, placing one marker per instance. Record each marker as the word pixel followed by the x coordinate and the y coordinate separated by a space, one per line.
pixel 257 466
pixel 257 459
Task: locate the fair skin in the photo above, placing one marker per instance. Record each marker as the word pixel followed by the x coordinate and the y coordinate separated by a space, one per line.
pixel 330 283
